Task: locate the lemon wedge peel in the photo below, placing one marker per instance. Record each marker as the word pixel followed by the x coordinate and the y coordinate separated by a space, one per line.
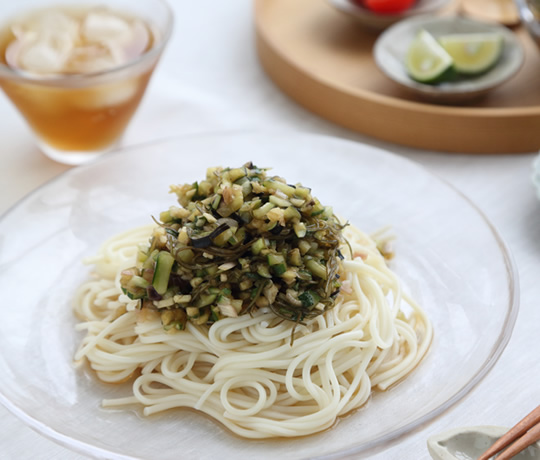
pixel 427 61
pixel 473 54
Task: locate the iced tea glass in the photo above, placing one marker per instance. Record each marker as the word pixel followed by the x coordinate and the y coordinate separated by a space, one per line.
pixel 78 116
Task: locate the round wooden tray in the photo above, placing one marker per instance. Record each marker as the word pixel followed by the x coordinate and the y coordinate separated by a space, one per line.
pixel 322 59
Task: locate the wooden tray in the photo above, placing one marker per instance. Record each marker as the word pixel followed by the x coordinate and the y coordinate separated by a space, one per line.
pixel 322 59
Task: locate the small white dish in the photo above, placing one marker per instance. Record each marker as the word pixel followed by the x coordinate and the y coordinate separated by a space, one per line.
pixel 379 21
pixel 468 443
pixel 391 48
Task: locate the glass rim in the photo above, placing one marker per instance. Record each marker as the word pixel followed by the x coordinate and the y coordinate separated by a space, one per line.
pixel 9 72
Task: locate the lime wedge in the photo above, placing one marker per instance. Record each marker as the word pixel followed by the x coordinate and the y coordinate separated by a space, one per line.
pixel 426 60
pixel 473 53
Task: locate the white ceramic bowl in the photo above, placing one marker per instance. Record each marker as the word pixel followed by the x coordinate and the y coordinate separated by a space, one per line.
pixel 391 48
pixel 379 21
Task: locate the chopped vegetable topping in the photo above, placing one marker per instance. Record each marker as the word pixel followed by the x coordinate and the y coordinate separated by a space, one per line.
pixel 240 241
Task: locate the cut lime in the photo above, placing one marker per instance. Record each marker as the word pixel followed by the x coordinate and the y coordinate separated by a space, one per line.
pixel 426 60
pixel 473 53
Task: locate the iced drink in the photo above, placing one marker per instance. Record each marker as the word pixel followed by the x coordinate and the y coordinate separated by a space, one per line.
pixel 77 74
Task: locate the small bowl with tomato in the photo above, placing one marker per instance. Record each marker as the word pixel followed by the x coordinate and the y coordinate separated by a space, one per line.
pixel 379 14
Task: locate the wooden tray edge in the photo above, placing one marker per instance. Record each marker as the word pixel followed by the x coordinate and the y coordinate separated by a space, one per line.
pixel 434 128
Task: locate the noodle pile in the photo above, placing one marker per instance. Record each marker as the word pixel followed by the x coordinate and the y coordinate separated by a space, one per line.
pixel 246 372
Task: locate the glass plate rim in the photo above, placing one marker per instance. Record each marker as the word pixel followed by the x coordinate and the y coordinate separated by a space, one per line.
pixel 377 445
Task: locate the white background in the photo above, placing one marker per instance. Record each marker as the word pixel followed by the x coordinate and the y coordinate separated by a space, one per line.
pixel 210 80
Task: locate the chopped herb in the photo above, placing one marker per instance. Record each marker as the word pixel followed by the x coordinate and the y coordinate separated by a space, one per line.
pixel 241 240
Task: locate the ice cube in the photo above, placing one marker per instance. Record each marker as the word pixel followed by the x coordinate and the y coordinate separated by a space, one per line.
pixel 116 52
pixel 106 27
pixel 107 96
pixel 140 41
pixel 45 42
pixel 111 31
pixel 12 53
pixel 22 34
pixel 52 22
pixel 96 64
pixel 45 101
pixel 90 58
pixel 43 57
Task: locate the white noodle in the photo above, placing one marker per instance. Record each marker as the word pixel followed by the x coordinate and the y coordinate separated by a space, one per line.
pixel 243 371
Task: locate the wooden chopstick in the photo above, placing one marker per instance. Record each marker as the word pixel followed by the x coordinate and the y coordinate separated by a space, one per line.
pixel 528 432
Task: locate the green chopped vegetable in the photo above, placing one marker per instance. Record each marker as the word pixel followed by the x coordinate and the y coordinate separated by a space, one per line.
pixel 164 265
pixel 241 240
pixel 309 298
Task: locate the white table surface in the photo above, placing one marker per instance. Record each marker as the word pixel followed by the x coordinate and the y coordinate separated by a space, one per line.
pixel 210 80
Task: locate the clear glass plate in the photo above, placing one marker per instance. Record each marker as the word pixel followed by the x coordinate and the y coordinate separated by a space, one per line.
pixel 451 258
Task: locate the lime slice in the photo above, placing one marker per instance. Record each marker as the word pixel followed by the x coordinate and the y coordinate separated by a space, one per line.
pixel 426 59
pixel 473 53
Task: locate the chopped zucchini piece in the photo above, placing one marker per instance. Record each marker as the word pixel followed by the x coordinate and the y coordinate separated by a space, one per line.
pixel 261 212
pixel 295 258
pixel 316 268
pixel 300 229
pixel 309 298
pixel 206 299
pixel 279 269
pixel 276 259
pixel 164 265
pixel 276 185
pixel 258 246
pixel 282 203
pixel 262 270
pixel 292 213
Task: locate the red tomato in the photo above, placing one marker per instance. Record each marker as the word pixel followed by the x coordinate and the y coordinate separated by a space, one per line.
pixel 387 6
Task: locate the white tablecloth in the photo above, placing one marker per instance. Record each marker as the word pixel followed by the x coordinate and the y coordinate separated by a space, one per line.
pixel 210 80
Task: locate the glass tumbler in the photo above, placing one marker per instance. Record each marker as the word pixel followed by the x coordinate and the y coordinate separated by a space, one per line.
pixel 76 117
